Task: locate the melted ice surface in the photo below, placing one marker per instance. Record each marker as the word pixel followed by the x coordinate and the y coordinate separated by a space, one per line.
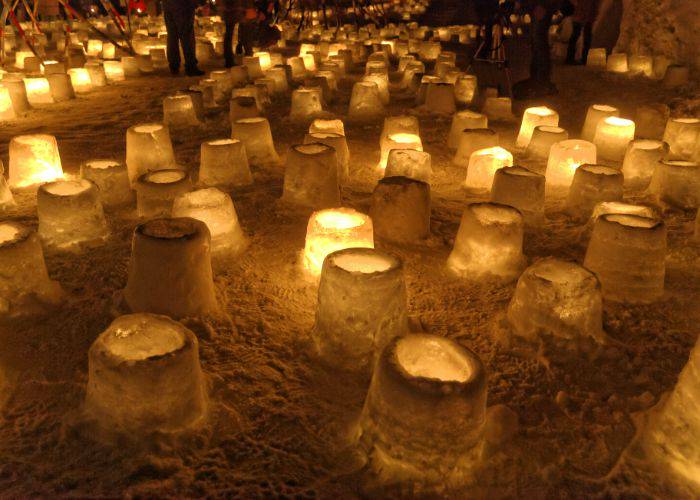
pixel 632 220
pixel 67 188
pixel 223 142
pixel 494 214
pixel 8 232
pixel 362 262
pixel 143 339
pixel 147 129
pixel 338 220
pixel 102 164
pixel 433 357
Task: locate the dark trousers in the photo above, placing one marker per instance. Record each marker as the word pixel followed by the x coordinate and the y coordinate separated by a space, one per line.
pixel 180 26
pixel 587 29
pixel 246 34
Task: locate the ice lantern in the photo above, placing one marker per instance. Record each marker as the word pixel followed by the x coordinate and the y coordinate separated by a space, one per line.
pixel 543 138
pixel 156 191
pixel 682 136
pixel 365 103
pixel 70 214
pixel 532 118
pixel 400 140
pixel 34 159
pixel 520 188
pixel 80 79
pixel 409 163
pixel 489 243
pixel 595 114
pixel 306 105
pixel 38 91
pixel 424 414
pixel 7 110
pixel 214 208
pixel 483 165
pixel 144 376
pixel 170 269
pixel 224 163
pixel 335 229
pixel 361 307
pixel 25 287
pixel 148 147
pixel 111 178
pixel 256 136
pixel 677 183
pixel 472 140
pixel 401 210
pixel 556 302
pixel 337 142
pixel 593 184
pixel 179 111
pixel 627 253
pixel 311 176
pixel 464 120
pixel 565 157
pixel 641 158
pixel 611 137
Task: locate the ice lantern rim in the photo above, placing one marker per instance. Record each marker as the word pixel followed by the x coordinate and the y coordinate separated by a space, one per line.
pixel 20 235
pixel 312 148
pixel 392 264
pixel 173 229
pixel 632 222
pixel 471 386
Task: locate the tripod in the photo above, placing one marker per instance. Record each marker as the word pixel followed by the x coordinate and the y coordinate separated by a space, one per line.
pixel 494 56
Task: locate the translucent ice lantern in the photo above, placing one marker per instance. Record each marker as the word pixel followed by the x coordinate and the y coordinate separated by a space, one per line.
pixel 401 140
pixel 543 138
pixel 170 269
pixel 224 163
pixel 70 214
pixel 565 157
pixel 339 144
pixel 365 103
pixel 440 98
pixel 591 185
pixel 617 63
pixel 409 163
pixel 682 136
pixel 335 229
pixel 256 136
pixel 520 188
pixel 38 91
pixel 148 147
pixel 677 183
pixel 214 208
pixel 306 105
pixel 472 140
pixel 361 307
pixel 532 118
pixel 7 110
pixel 424 414
pixel 595 114
pixel 611 137
pixel 179 111
pixel 464 120
pixel 641 158
pixel 34 159
pixel 556 302
pixel 311 176
pixel 483 165
pixel 627 253
pixel 489 243
pixel 401 210
pixel 111 178
pixel 144 376
pixel 156 191
pixel 24 281
pixel 80 79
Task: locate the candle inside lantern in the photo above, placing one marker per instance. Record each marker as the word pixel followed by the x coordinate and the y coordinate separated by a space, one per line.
pixel 611 137
pixel 34 159
pixel 565 157
pixel 335 229
pixel 532 118
pixel 483 165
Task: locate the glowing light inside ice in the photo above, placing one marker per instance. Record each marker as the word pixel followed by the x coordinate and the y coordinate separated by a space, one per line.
pixel 166 176
pixel 432 358
pixel 34 159
pixel 8 232
pixel 362 263
pixel 147 129
pixel 68 188
pixel 632 220
pixel 532 118
pixel 142 341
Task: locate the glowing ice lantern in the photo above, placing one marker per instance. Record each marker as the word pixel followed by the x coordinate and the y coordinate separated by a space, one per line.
pixel 402 124
pixel 80 79
pixel 617 63
pixel 256 136
pixel 148 147
pixel 627 253
pixel 398 141
pixel 421 380
pixel 682 136
pixel 20 56
pixel 465 89
pixel 472 140
pixel 34 159
pixel 595 114
pixel 311 176
pixel 327 126
pixel 70 214
pixel 98 77
pixel 25 287
pixel 111 178
pixel 677 183
pixel 265 60
pixel 498 108
pixel 409 163
pixel 170 269
pixel 401 210
pixel 38 91
pixel 464 120
pixel 382 82
pixel 224 163
pixel 597 58
pixel 489 243
pixel 144 376
pixel 641 158
pixel 593 184
pixel 306 105
pixel 543 138
pixel 241 107
pixel 556 303
pixel 612 136
pixel 156 191
pixel 520 188
pixel 94 47
pixel 641 65
pixel 178 111
pixel 365 103
pixel 483 165
pixel 7 111
pixel 532 118
pixel 335 229
pixel 565 157
pixel 361 307
pixel 337 142
pixel 214 208
pixel 18 93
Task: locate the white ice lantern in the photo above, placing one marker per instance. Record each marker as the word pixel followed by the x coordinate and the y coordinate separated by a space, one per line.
pixel 256 136
pixel 483 165
pixel 148 147
pixel 112 179
pixel 611 137
pixel 179 111
pixel 34 159
pixel 532 118
pixel 114 71
pixel 400 140
pixel 335 229
pixel 564 158
pixel 306 105
pixel 224 163
pixel 464 120
pixel 80 79
pixel 38 91
pixel 595 114
pixel 365 102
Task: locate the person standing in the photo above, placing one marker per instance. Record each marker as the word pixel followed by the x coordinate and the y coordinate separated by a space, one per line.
pixel 179 22
pixel 244 14
pixel 585 14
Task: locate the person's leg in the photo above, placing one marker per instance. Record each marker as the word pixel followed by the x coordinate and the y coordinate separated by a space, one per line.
pixel 228 43
pixel 173 45
pixel 573 42
pixel 186 32
pixel 587 38
pixel 246 37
